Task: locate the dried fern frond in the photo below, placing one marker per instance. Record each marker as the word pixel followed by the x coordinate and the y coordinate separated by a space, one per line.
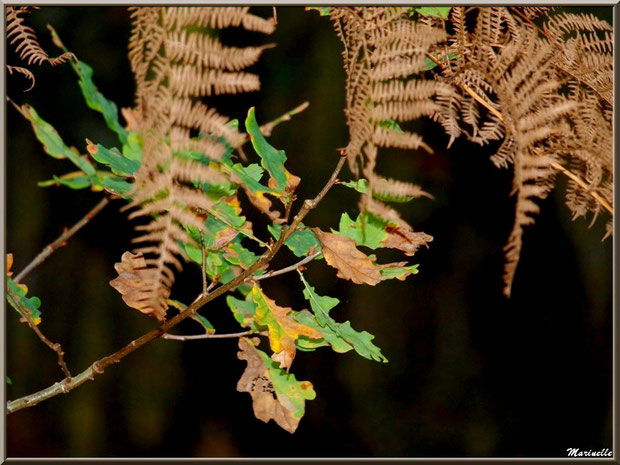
pixel 510 79
pixel 24 72
pixel 175 64
pixel 383 52
pixel 27 44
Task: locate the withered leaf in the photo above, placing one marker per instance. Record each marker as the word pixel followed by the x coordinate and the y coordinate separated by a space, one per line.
pixel 340 252
pixel 275 394
pixel 134 282
pixel 405 239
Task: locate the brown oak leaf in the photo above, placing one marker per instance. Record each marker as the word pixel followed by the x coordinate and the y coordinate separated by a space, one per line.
pixel 405 239
pixel 135 281
pixel 340 252
pixel 266 402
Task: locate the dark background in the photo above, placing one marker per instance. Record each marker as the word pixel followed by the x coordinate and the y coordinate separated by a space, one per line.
pixel 470 373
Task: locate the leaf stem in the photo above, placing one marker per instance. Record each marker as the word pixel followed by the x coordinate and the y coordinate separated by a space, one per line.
pixel 54 346
pixel 61 241
pixel 98 367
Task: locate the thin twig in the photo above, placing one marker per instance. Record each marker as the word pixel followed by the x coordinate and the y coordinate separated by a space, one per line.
pixel 98 367
pixel 54 346
pixel 292 267
pixel 62 240
pixel 266 128
pixel 195 337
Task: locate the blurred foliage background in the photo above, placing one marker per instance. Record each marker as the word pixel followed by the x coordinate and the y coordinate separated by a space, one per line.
pixel 470 373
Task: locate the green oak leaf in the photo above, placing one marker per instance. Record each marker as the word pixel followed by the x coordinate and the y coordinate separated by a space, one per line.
pixel 113 158
pixel 441 12
pixel 271 159
pixel 321 305
pixel 398 272
pixel 337 335
pixel 301 242
pixel 323 10
pixel 367 230
pixel 53 143
pixel 243 311
pixel 30 304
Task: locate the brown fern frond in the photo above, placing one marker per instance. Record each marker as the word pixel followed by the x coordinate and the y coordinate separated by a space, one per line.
pixel 510 79
pixel 383 52
pixel 175 64
pixel 27 44
pixel 24 72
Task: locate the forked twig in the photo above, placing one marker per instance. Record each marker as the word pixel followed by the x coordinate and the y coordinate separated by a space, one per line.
pixel 54 346
pixel 98 367
pixel 292 267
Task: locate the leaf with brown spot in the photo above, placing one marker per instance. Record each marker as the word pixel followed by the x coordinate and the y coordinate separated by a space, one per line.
pixel 275 394
pixel 283 330
pixel 134 282
pixel 340 253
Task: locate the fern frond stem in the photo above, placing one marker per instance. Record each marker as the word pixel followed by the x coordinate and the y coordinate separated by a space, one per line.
pixel 54 346
pixel 61 241
pixel 98 367
pixel 482 102
pixel 292 267
pixel 584 186
pixel 195 337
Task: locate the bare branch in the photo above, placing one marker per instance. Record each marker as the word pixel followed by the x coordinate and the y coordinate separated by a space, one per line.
pixel 61 241
pixel 98 367
pixel 175 337
pixel 54 346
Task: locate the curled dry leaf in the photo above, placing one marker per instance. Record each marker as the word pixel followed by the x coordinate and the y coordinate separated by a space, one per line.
pixel 134 282
pixel 405 239
pixel 275 394
pixel 340 252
